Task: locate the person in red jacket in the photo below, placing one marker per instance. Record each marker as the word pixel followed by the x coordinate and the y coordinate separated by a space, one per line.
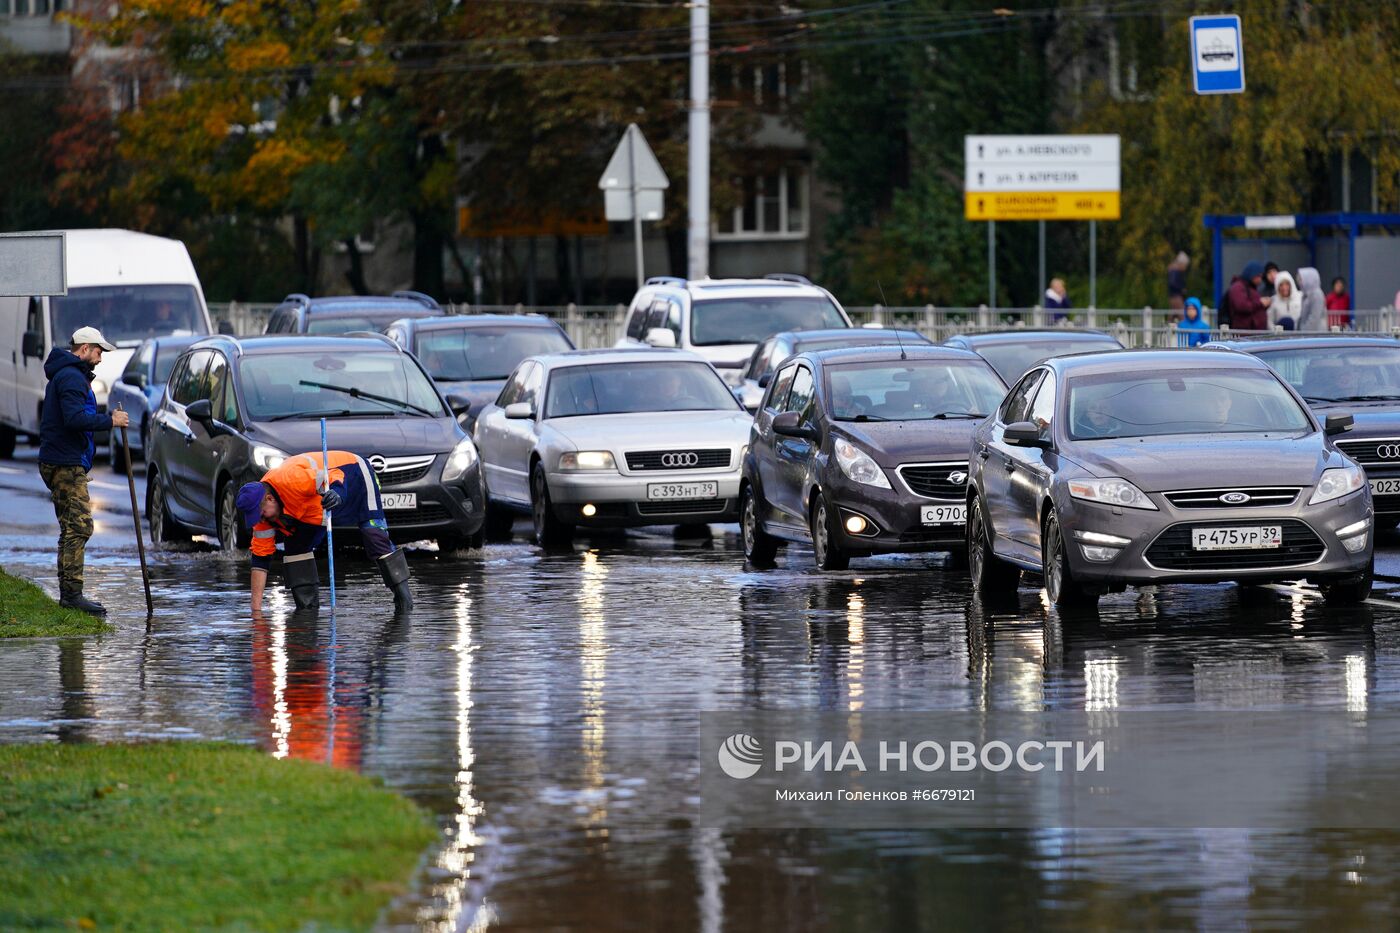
pixel 1338 304
pixel 289 505
pixel 1248 311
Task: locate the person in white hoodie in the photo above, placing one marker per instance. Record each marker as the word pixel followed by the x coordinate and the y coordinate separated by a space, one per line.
pixel 1287 305
pixel 1313 314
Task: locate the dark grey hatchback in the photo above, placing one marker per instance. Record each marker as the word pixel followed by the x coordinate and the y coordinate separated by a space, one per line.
pixel 862 451
pixel 236 409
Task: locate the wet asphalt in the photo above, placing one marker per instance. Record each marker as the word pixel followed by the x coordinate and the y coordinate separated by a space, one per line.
pixel 545 708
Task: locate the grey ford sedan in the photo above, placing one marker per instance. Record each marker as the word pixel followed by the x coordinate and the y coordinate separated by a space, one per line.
pixel 611 438
pixel 1143 467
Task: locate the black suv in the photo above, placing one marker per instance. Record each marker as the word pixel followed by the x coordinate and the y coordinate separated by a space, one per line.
pixel 235 409
pixel 864 450
pixel 300 314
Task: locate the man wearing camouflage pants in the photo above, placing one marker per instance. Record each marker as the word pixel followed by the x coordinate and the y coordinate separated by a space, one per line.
pixel 66 447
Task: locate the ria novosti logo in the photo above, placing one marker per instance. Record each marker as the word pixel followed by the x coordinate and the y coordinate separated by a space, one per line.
pixel 741 756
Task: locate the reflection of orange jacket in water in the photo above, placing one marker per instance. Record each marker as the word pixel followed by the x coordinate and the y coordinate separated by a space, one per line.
pixel 298 722
pixel 297 483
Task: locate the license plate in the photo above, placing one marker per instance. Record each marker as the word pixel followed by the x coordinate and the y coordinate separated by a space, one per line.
pixel 657 491
pixel 1385 487
pixel 1237 539
pixel 399 500
pixel 943 514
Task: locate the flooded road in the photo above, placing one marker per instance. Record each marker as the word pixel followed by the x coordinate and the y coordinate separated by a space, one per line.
pixel 546 708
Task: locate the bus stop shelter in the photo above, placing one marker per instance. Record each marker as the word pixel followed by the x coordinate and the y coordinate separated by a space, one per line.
pixel 1362 248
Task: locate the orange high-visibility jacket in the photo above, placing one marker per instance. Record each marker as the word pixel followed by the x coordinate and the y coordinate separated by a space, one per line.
pixel 298 484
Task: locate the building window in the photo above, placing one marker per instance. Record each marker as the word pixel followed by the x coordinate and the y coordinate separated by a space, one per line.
pixel 771 206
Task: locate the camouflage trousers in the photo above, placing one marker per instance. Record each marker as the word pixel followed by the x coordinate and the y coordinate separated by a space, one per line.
pixel 68 487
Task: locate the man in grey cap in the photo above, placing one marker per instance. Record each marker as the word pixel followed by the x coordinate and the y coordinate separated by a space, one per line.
pixel 66 447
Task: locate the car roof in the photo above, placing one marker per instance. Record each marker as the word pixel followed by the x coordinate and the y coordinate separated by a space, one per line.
pixel 700 289
pixel 308 343
pixel 884 353
pixel 107 256
pixel 1309 342
pixel 453 321
pixel 357 305
pixel 173 342
pixel 1111 361
pixel 1036 336
pixel 855 334
pixel 617 355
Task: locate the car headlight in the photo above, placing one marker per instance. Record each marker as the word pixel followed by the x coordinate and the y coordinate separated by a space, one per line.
pixel 1338 482
pixel 1112 491
pixel 587 460
pixel 268 458
pixel 858 465
pixel 462 459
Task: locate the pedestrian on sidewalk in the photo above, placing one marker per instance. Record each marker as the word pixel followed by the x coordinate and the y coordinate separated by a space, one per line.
pixel 1193 329
pixel 1287 305
pixel 66 447
pixel 1339 304
pixel 1312 317
pixel 1176 283
pixel 289 504
pixel 1057 299
pixel 1269 287
pixel 1243 305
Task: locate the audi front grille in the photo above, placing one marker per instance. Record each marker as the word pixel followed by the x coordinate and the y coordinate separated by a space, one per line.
pixel 1249 497
pixel 647 460
pixel 935 480
pixel 1377 451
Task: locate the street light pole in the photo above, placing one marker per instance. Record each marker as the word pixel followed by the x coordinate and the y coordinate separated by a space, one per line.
pixel 698 240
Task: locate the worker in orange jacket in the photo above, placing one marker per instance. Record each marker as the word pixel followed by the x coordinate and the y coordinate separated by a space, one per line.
pixel 289 506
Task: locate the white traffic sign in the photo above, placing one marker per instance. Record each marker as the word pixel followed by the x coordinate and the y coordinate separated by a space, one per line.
pixel 1217 54
pixel 617 204
pixel 33 264
pixel 1013 176
pixel 647 173
pixel 1044 151
pixel 1042 177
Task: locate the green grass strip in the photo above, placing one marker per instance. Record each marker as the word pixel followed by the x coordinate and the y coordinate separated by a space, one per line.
pixel 187 836
pixel 28 612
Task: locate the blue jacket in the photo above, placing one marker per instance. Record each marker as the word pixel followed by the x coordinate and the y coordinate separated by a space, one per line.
pixel 1193 333
pixel 70 412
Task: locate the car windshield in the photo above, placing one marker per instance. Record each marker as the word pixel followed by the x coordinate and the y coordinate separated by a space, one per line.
pixel 320 384
pixel 1344 374
pixel 912 390
pixel 1187 401
pixel 620 388
pixel 465 353
pixel 1011 360
pixel 128 314
pixel 717 321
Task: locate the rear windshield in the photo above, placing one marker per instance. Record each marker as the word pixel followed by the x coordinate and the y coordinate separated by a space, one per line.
pixel 748 320
pixel 128 314
pixel 618 388
pixel 1011 360
pixel 346 325
pixel 468 353
pixel 323 385
pixel 1339 374
pixel 1200 401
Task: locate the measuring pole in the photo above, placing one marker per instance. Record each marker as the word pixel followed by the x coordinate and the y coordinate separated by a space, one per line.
pixel 992 263
pixel 1093 263
pixel 636 214
pixel 330 534
pixel 136 517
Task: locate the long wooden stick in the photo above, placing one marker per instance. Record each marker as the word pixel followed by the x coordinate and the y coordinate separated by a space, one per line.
pixel 136 517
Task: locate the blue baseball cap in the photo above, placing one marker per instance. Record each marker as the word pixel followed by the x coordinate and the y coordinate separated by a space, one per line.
pixel 249 502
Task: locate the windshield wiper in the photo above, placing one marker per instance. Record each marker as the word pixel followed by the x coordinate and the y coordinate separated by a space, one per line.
pixel 369 396
pixel 864 417
pixel 957 414
pixel 308 414
pixel 1368 398
pixel 1319 398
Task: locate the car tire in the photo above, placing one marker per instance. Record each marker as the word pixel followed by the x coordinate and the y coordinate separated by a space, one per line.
pixel 8 436
pixel 1352 593
pixel 164 529
pixel 760 548
pixel 991 576
pixel 828 554
pixel 550 532
pixel 233 535
pixel 499 522
pixel 456 542
pixel 1064 591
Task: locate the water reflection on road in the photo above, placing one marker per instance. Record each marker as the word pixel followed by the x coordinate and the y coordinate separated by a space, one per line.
pixel 545 707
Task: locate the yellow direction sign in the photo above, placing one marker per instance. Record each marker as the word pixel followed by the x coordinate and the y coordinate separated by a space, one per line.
pixel 1042 205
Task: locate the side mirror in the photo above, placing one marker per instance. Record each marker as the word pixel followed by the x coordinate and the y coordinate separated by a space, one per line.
pixel 1025 434
pixel 520 410
pixel 789 424
pixel 137 379
pixel 201 411
pixel 1339 423
pixel 459 404
pixel 33 344
pixel 662 338
pixel 765 380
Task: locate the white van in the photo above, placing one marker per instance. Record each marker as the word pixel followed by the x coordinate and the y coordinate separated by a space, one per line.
pixel 131 286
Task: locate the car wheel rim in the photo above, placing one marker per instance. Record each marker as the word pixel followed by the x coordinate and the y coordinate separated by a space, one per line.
pixel 539 505
pixel 749 519
pixel 1054 572
pixel 228 524
pixel 974 547
pixel 157 511
pixel 819 542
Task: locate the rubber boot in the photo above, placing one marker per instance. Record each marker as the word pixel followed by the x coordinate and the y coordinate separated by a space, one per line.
pixel 74 599
pixel 394 567
pixel 302 578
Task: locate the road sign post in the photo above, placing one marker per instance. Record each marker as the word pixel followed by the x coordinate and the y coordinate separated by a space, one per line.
pixel 632 185
pixel 1217 54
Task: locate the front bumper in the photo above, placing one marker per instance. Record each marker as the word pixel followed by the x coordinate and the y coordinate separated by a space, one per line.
pixel 620 500
pixel 895 516
pixel 455 508
pixel 1159 546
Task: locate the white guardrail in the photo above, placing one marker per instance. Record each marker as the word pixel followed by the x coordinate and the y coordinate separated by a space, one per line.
pixel 591 326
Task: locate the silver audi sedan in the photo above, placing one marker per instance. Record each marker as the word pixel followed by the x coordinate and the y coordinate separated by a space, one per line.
pixel 611 438
pixel 1106 470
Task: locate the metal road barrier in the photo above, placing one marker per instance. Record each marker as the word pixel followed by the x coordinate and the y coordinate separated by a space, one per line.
pixel 593 326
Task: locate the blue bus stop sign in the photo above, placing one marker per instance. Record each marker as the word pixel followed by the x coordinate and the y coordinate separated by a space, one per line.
pixel 1217 54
